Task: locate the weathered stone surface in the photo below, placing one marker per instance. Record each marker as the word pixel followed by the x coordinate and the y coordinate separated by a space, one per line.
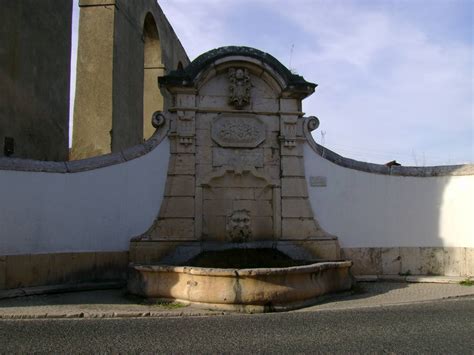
pixel 391 261
pixel 292 166
pixel 325 249
pixel 432 261
pixel 272 141
pixel 237 158
pixel 120 66
pixel 293 187
pixel 230 193
pixel 262 228
pixel 273 172
pixel 236 290
pixel 203 137
pixel 411 261
pixel 276 203
pixel 182 164
pixel 180 185
pixel 185 100
pixel 296 151
pixel 111 265
pixel 214 228
pixel 272 122
pixel 256 207
pixel 272 156
pixel 177 207
pixel 265 105
pixel 18 271
pixel 202 172
pixel 454 261
pixel 32 270
pixel 296 208
pixel 469 262
pixel 96 2
pixel 175 229
pixel 204 155
pixel 244 180
pixel 151 251
pixel 299 228
pixel 289 105
pixel 218 207
pixel 367 261
pixel 35 78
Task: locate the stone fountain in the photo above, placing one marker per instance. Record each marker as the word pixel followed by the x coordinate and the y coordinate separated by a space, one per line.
pixel 236 229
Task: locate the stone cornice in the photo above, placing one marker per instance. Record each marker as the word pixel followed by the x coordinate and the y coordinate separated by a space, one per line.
pixel 186 77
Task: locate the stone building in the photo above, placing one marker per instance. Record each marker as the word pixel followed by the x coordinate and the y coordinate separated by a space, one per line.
pixel 34 78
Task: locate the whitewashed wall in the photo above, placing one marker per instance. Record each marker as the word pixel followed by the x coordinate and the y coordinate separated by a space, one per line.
pixel 374 210
pixel 95 210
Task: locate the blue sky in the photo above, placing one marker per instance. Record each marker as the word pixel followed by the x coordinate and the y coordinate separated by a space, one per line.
pixel 395 77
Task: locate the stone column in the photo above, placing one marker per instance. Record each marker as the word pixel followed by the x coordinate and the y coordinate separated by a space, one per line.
pixel 93 104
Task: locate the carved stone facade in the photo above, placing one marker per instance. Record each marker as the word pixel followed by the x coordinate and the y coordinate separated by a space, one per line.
pixel 236 171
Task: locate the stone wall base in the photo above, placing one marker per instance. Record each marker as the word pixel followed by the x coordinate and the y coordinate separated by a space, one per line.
pixel 446 261
pixel 30 270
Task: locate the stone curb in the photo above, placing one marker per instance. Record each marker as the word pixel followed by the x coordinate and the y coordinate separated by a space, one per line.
pixel 412 279
pixel 110 315
pixel 45 290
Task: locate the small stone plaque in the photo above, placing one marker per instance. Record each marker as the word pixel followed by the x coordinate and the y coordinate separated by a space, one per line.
pixel 316 181
pixel 237 157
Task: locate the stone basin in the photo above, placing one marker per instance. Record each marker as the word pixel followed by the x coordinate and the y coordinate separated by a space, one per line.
pixel 245 290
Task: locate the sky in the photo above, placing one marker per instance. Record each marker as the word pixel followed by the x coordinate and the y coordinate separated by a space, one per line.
pixel 395 78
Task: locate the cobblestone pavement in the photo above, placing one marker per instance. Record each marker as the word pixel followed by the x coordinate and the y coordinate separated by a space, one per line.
pixel 115 303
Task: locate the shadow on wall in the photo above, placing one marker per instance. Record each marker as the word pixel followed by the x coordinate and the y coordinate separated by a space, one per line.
pixel 394 224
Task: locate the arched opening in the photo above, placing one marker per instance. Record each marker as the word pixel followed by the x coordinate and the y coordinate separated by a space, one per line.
pixel 180 66
pixel 152 69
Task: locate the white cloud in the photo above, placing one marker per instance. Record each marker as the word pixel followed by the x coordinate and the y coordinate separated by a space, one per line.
pixel 390 88
pixel 385 86
pixel 199 24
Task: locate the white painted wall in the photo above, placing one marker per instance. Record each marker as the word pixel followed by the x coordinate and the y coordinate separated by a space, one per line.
pixel 373 210
pixel 101 209
pixel 97 210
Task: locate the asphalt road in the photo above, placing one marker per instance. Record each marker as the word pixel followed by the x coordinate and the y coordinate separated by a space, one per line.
pixel 445 327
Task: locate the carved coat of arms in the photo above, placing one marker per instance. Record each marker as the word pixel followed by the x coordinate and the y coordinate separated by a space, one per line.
pixel 239 88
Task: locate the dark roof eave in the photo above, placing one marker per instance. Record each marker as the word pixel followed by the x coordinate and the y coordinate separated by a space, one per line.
pixel 186 77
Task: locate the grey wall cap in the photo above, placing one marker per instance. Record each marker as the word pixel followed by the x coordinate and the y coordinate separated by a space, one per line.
pixel 185 77
pixel 428 171
pixel 98 162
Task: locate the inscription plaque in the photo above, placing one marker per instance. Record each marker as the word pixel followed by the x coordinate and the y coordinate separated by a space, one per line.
pixel 236 157
pixel 238 131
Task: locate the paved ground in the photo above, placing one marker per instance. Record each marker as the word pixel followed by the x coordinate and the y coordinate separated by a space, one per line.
pixel 114 303
pixel 434 327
